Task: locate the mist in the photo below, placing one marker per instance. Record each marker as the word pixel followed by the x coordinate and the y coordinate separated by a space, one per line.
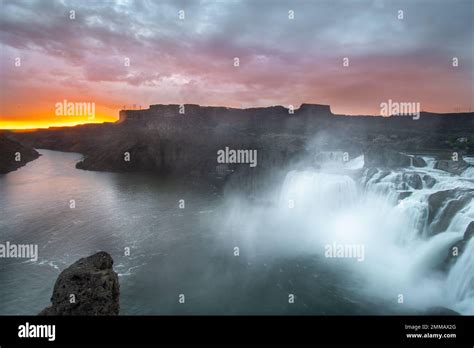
pixel 330 203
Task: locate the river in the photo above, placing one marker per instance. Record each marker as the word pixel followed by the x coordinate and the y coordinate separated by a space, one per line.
pixel 224 255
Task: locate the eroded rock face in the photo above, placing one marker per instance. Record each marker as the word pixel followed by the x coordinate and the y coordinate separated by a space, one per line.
pixel 453 167
pixel 418 161
pixel 469 233
pixel 161 140
pixel 443 205
pixel 378 156
pixel 381 156
pixel 88 287
pixel 11 151
pixel 413 180
pixel 459 247
pixel 429 180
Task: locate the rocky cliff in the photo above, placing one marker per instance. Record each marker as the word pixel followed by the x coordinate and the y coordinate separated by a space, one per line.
pixel 14 154
pixel 183 140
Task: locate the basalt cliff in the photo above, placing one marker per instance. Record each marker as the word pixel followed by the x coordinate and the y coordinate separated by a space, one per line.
pixel 14 154
pixel 182 140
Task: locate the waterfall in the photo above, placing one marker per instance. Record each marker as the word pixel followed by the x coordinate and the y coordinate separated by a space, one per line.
pixel 469 173
pixel 311 189
pixel 460 282
pixel 388 212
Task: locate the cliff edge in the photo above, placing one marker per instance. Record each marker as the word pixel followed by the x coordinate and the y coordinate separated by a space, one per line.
pixel 14 155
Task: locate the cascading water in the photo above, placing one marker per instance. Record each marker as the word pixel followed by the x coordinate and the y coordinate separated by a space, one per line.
pixel 310 189
pixel 460 282
pixel 389 213
pixel 400 223
pixel 469 172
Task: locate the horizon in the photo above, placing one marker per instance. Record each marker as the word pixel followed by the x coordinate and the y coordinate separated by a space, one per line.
pixel 185 53
pixel 28 127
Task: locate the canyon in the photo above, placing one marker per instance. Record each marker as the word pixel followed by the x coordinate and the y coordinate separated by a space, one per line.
pixel 401 187
pixel 184 139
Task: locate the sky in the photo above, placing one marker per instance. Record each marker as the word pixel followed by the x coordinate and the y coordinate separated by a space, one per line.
pixel 116 54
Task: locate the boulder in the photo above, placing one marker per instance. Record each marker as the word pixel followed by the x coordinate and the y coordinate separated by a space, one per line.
pixel 450 166
pixel 88 287
pixel 413 180
pixel 404 194
pixel 418 162
pixel 429 181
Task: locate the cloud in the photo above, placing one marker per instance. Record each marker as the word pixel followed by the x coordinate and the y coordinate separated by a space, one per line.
pixel 282 60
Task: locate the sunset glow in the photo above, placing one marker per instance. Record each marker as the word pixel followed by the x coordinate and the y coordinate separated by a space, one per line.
pixel 38 124
pixel 158 58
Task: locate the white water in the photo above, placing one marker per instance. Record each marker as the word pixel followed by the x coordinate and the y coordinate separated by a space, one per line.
pixel 401 256
pixel 469 172
pixel 460 282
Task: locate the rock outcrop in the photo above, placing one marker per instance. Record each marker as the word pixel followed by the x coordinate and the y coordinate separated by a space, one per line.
pixel 14 154
pixel 429 181
pixel 456 250
pixel 413 180
pixel 381 156
pixel 444 205
pixel 453 167
pixel 88 287
pixel 183 140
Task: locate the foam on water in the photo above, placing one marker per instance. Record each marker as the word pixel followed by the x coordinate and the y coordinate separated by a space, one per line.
pixel 460 282
pixel 401 256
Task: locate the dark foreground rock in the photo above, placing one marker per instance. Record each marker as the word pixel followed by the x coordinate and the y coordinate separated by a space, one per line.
pixel 14 155
pixel 88 287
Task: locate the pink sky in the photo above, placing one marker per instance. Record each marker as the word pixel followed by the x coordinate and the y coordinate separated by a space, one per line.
pixel 282 61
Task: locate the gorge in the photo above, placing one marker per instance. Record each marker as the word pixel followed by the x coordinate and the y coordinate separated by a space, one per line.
pixel 400 188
